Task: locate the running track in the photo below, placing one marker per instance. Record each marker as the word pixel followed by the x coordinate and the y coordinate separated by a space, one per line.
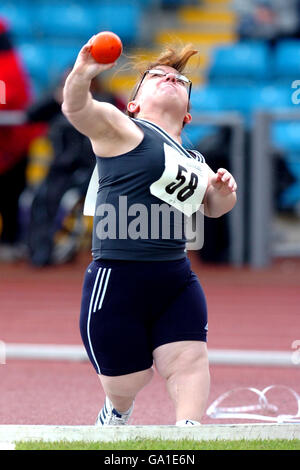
pixel 254 310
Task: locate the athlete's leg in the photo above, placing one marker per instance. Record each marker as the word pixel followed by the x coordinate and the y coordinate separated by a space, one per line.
pixel 179 349
pixel 122 390
pixel 114 332
pixel 184 365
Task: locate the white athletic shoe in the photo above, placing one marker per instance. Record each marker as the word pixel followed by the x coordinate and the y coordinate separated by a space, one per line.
pixel 109 416
pixel 187 422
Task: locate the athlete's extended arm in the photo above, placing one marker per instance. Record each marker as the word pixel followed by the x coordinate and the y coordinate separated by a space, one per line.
pixel 220 195
pixel 102 122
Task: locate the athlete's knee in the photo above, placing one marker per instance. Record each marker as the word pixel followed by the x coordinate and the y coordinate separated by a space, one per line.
pixel 184 358
pixel 192 361
pixel 128 384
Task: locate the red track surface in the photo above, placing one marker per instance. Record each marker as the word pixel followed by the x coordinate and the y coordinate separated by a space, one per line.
pixel 247 310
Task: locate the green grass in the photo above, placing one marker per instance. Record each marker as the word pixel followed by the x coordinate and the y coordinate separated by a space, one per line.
pixel 157 444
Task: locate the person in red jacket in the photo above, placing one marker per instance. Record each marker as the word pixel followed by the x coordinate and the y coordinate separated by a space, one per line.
pixel 14 142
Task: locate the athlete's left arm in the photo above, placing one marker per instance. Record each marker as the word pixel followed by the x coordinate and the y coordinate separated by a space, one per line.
pixel 220 196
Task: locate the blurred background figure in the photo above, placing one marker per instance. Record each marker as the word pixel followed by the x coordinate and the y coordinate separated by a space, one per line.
pixel 271 20
pixel 14 144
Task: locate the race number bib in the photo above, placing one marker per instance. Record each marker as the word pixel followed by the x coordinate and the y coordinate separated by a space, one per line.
pixel 183 182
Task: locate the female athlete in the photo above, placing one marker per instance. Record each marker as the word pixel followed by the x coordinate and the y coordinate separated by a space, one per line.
pixel 142 305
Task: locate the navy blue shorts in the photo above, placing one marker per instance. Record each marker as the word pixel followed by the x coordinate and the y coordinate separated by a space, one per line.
pixel 129 308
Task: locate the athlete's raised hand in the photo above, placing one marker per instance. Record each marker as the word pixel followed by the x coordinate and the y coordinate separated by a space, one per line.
pixel 86 65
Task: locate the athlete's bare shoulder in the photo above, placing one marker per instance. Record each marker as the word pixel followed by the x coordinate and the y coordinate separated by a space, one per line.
pixel 121 134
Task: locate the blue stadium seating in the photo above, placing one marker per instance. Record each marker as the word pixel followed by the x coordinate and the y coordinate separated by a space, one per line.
pixel 60 62
pixel 287 135
pixel 49 33
pixel 241 61
pixel 36 62
pixel 63 20
pixel 241 98
pixel 193 134
pixel 203 99
pixel 121 17
pixel 206 98
pixel 47 61
pixel 271 97
pixel 18 17
pixel 287 59
pixel 76 19
pixel 234 97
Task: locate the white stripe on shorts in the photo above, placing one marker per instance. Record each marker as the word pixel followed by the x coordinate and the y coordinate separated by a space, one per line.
pixel 101 290
pixel 104 289
pixel 96 303
pixel 89 319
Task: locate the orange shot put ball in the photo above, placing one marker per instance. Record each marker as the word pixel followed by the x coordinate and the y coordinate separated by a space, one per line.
pixel 106 47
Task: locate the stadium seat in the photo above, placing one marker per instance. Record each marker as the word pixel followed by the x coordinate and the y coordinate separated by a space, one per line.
pixel 286 135
pixel 65 20
pixel 62 57
pixel 203 99
pixel 18 17
pixel 235 98
pixel 35 60
pixel 46 62
pixel 240 98
pixel 192 134
pixel 206 98
pixel 240 61
pixel 121 17
pixel 287 59
pixel 271 97
pixel 223 98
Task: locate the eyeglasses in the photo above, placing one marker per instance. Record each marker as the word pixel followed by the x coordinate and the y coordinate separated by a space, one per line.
pixel 160 73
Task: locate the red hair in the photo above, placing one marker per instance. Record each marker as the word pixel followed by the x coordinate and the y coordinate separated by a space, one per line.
pixel 177 59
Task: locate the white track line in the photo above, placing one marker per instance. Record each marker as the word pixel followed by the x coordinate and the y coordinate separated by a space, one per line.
pixel 14 433
pixel 7 446
pixel 57 352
